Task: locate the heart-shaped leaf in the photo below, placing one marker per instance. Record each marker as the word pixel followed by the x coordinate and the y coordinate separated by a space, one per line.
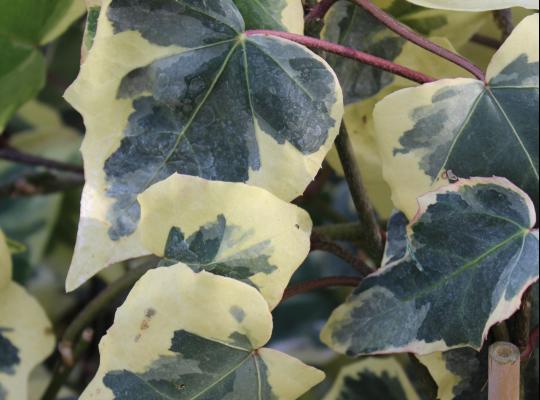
pixel 283 15
pixel 464 127
pixel 26 337
pixel 24 25
pixel 359 121
pixel 471 256
pixel 255 109
pixel 476 5
pixel 242 232
pixel 186 335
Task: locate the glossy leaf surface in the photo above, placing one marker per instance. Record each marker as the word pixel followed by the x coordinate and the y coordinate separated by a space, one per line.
pixel 259 110
pixel 464 127
pixel 471 256
pixel 159 347
pixel 242 232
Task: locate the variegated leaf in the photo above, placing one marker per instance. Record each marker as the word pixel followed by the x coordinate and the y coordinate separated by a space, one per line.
pixel 472 254
pixel 242 232
pixel 186 335
pixel 283 15
pixel 26 336
pixel 359 121
pixel 352 26
pixel 397 243
pixel 476 5
pixel 460 374
pixel 259 110
pixel 374 378
pixel 24 25
pixel 464 127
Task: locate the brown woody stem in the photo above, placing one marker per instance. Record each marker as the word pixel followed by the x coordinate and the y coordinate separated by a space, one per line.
pixel 323 283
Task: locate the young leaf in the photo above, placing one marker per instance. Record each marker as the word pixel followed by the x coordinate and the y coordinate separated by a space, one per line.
pixel 186 335
pixel 471 257
pixel 373 378
pixel 242 232
pixel 283 15
pixel 26 337
pixel 476 5
pixel 24 25
pixel 465 127
pixel 256 109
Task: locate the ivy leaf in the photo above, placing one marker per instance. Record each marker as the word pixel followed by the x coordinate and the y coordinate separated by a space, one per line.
pixel 160 345
pixel 256 109
pixel 476 5
pixel 26 337
pixel 462 374
pixel 242 232
pixel 374 378
pixel 462 126
pixel 283 15
pixel 472 254
pixel 350 25
pixel 359 121
pixel 25 25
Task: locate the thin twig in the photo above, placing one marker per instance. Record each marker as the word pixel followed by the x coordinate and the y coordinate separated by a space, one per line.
pixel 486 41
pixel 505 22
pixel 322 243
pixel 41 184
pixel 319 10
pixel 366 214
pixel 407 33
pixel 62 370
pixel 11 154
pixel 323 283
pixel 348 52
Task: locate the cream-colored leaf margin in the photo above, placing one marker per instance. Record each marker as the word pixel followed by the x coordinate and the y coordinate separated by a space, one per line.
pixel 385 368
pixel 360 124
pixel 24 323
pixel 476 5
pixel 402 172
pixel 198 303
pixel 259 218
pixel 285 171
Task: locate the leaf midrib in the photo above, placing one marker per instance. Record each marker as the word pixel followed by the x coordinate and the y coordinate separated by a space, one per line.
pixel 446 279
pixel 442 282
pixel 472 111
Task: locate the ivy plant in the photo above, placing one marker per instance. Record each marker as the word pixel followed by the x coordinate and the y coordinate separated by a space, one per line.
pixel 278 199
